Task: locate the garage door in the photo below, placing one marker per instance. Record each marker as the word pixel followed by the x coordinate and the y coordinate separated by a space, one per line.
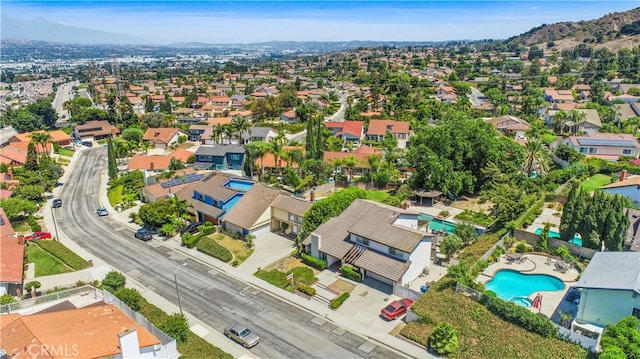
pixel 379 278
pixel 262 230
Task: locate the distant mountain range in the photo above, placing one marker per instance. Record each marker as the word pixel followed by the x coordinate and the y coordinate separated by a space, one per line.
pixel 613 31
pixel 44 30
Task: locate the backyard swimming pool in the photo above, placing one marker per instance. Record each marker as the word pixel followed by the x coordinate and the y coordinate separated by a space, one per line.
pixel 517 287
pixel 438 224
pixel 577 240
pixel 239 185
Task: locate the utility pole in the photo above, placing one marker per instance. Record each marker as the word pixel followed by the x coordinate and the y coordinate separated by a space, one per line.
pixel 175 278
pixel 55 226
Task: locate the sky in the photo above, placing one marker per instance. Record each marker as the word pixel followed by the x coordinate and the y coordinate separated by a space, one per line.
pixel 213 21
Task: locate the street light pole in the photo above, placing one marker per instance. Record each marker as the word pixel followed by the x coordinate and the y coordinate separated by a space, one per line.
pixel 55 226
pixel 175 278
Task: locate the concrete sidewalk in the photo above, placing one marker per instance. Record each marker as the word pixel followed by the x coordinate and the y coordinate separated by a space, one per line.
pixel 244 273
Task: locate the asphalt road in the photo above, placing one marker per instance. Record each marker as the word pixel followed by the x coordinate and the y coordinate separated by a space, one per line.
pixel 213 296
pixel 62 95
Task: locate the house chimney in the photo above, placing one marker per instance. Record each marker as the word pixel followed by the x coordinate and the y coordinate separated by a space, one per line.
pixel 114 132
pixel 10 173
pixel 312 196
pixel 623 175
pixel 151 166
pixel 20 239
pixel 316 242
pixel 129 344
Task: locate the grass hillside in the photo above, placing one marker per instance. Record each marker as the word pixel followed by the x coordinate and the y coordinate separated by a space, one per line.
pixel 615 30
pixel 481 334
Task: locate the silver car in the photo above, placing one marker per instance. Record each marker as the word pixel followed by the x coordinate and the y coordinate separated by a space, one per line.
pixel 242 335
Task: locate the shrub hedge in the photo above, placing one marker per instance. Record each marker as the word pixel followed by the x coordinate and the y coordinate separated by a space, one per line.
pixel 521 316
pixel 337 302
pixel 211 247
pixel 191 240
pixel 207 229
pixel 64 254
pixel 350 273
pixel 310 291
pixel 314 262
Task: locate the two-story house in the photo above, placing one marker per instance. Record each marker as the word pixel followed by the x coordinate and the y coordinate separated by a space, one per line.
pixel 511 126
pixel 381 242
pixel 607 146
pixel 252 214
pixel 287 214
pixel 95 130
pixel 399 129
pixel 211 198
pixel 219 157
pixel 261 134
pixel 347 131
pixel 610 290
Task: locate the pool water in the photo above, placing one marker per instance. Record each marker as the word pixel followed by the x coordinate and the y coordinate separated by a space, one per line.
pixel 438 224
pixel 577 240
pixel 514 286
pixel 522 301
pixel 239 185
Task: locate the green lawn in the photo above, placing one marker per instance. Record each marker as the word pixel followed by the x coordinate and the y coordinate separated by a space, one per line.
pixel 596 181
pixel 45 263
pixel 378 196
pixel 236 246
pixel 65 152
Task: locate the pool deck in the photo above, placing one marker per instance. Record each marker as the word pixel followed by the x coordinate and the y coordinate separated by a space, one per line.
pixel 536 264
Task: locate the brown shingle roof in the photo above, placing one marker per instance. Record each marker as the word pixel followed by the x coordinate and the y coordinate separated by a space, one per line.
pixel 161 135
pixel 253 204
pixel 382 265
pixel 297 206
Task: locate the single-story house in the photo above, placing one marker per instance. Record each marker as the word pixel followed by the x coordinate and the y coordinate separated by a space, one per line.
pixel 289 116
pixel 379 241
pixel 252 214
pixel 610 277
pixel 511 126
pixel 262 134
pixel 163 138
pixel 11 258
pixel 607 146
pixel 58 137
pixel 399 129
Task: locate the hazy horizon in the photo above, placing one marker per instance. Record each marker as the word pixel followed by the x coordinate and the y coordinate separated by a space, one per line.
pixel 165 22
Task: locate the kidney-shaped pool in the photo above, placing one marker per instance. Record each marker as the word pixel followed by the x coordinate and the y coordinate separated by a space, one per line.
pixel 515 286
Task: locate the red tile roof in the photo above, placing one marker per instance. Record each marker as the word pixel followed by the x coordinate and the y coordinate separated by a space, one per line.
pixel 379 127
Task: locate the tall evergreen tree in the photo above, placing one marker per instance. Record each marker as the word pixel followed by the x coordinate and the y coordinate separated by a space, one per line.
pixel 111 157
pixel 567 219
pixel 31 162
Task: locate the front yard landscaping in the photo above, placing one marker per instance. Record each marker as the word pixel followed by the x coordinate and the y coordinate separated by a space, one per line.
pixel 64 254
pixel 45 263
pixel 224 248
pixel 481 333
pixel 236 246
pixel 277 274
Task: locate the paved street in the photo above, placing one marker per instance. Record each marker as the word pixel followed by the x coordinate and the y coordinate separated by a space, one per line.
pixel 216 295
pixel 64 94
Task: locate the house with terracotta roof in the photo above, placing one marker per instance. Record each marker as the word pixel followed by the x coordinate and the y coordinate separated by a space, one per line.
pixel 58 137
pixel 95 130
pixel 399 129
pixel 287 214
pixel 163 138
pixel 164 188
pixel 152 165
pixel 379 241
pixel 511 126
pixel 628 187
pixel 607 146
pixel 211 198
pixel 97 328
pixel 252 214
pixel 289 116
pixel 347 131
pixel 553 95
pixel 11 258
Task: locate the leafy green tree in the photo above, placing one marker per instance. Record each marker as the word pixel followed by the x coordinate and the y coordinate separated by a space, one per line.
pixel 129 296
pixel 444 339
pixel 43 110
pixel 133 135
pixel 33 193
pixel 621 340
pixel 176 164
pixel 177 327
pixel 113 281
pixel 15 207
pixel 450 244
pixel 25 121
pixel 466 232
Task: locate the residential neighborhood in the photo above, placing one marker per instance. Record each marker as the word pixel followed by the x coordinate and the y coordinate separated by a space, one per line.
pixel 468 200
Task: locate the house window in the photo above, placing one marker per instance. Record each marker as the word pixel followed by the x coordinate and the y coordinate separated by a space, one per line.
pixel 636 312
pixel 593 150
pixel 292 217
pixel 235 157
pixel 396 253
pixel 362 241
pixel 583 150
pixel 626 152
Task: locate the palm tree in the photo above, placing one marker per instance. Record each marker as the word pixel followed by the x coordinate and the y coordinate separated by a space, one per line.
pixel 536 158
pixel 558 121
pixel 41 138
pixel 229 130
pixel 374 166
pixel 350 162
pixel 217 133
pixel 242 125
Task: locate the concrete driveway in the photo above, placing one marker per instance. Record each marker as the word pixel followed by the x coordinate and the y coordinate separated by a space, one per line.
pixel 269 248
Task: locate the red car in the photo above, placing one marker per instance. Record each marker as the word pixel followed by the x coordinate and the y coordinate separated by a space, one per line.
pixel 396 309
pixel 38 236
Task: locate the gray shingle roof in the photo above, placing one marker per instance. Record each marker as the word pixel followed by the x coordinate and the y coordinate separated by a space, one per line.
pixel 218 150
pixel 251 206
pixel 382 265
pixel 612 270
pixel 333 235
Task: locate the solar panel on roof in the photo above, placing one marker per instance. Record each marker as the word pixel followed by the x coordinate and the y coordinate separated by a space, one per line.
pixel 165 185
pixel 603 142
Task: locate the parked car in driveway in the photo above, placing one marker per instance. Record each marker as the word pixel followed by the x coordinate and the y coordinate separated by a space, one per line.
pixel 144 234
pixel 191 228
pixel 57 203
pixel 242 335
pixel 102 211
pixel 38 236
pixel 396 309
